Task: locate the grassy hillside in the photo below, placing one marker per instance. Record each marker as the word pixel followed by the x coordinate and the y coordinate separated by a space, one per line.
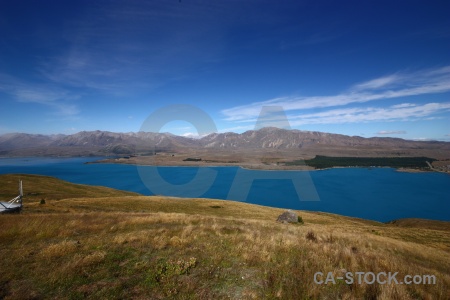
pixel 37 187
pixel 107 244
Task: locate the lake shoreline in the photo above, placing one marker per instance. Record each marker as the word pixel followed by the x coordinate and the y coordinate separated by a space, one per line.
pixel 255 167
pixel 345 191
pixel 205 163
pixel 265 161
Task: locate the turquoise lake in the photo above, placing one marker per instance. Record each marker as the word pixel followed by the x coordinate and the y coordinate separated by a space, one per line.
pixel 380 194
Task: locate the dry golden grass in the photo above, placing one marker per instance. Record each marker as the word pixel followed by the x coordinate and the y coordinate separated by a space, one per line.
pixel 127 247
pixel 37 187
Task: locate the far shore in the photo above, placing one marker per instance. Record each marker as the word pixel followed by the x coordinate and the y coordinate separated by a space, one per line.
pixel 246 166
pixel 408 170
pixel 258 160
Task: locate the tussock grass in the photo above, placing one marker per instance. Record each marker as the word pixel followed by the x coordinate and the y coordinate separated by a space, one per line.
pixel 135 247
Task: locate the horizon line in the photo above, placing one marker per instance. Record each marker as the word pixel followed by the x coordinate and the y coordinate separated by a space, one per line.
pixel 198 137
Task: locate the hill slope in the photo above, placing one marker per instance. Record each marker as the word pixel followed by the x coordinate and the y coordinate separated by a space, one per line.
pixel 121 247
pixel 37 187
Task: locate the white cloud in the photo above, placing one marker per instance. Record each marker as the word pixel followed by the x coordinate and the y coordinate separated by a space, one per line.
pixel 377 83
pixel 189 134
pixel 388 87
pixel 403 105
pixel 391 132
pixel 370 114
pixel 119 59
pixel 44 94
pixel 193 135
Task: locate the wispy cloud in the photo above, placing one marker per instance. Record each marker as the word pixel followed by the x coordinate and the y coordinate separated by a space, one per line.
pixel 143 46
pixel 387 87
pixel 371 114
pixel 377 83
pixel 60 100
pixel 382 132
pixel 402 105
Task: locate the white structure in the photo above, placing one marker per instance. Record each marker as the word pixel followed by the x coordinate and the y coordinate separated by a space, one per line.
pixel 13 205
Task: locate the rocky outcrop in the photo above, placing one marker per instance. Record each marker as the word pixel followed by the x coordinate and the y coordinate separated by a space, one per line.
pixel 288 216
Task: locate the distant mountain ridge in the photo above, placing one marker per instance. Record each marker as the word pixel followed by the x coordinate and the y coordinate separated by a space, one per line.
pixel 112 143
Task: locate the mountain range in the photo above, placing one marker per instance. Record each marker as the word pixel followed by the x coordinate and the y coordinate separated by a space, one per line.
pixel 92 143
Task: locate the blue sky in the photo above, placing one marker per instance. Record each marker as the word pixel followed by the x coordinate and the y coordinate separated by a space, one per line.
pixel 368 68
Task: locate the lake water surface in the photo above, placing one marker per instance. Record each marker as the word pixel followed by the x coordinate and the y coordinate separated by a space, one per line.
pixel 380 194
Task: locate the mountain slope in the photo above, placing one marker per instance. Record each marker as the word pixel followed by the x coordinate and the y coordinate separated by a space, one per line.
pixel 104 142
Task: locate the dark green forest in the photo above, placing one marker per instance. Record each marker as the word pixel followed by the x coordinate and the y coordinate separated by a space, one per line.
pixel 320 162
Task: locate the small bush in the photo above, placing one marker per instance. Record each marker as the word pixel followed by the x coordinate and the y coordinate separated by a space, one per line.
pixel 171 268
pixel 42 201
pixel 311 236
pixel 300 220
